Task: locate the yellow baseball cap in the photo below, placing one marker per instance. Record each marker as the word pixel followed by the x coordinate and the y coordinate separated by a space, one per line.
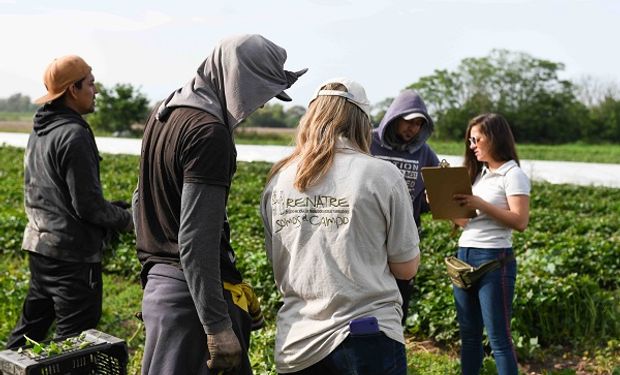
pixel 62 73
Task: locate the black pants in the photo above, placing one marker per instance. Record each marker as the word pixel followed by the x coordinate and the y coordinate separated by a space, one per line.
pixel 405 287
pixel 70 293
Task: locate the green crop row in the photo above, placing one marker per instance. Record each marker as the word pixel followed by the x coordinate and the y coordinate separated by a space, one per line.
pixel 567 286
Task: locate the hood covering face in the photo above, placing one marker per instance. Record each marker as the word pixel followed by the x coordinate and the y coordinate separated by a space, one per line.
pixel 407 102
pixel 241 74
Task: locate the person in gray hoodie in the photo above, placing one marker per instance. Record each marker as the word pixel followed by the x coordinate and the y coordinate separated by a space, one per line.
pixel 68 217
pixel 193 325
pixel 401 139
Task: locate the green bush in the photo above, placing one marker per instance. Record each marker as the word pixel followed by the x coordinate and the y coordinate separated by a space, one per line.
pixel 12 217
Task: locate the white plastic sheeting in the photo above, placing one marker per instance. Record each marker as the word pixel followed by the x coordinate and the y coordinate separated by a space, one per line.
pixel 555 172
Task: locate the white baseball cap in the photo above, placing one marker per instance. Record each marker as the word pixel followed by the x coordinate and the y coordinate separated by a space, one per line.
pixel 413 115
pixel 355 93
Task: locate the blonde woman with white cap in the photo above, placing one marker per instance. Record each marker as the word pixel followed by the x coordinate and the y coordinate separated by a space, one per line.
pixel 338 236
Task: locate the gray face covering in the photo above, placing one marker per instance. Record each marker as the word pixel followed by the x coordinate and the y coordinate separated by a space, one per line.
pixel 241 74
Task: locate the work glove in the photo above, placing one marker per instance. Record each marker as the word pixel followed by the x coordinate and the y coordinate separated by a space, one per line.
pixel 224 350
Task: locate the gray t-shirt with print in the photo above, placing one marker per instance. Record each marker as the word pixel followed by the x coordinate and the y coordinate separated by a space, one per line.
pixel 330 247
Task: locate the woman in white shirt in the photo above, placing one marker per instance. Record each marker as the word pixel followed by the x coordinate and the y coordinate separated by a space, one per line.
pixel 500 195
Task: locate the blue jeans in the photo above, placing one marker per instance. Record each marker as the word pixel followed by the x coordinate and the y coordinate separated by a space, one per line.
pixel 488 304
pixel 363 355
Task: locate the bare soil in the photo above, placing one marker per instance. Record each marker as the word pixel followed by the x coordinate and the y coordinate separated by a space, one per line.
pixel 552 362
pixel 16 126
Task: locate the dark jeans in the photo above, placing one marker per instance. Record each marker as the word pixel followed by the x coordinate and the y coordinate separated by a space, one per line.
pixel 405 287
pixel 488 304
pixel 176 342
pixel 70 293
pixel 372 354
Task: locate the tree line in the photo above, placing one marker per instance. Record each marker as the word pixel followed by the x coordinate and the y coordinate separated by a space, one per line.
pixel 17 103
pixel 540 106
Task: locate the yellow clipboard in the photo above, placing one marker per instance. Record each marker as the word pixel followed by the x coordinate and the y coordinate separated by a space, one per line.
pixel 441 184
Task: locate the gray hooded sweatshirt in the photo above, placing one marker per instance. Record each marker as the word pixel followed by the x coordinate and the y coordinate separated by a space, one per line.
pixel 241 74
pixel 180 219
pixel 68 216
pixel 410 157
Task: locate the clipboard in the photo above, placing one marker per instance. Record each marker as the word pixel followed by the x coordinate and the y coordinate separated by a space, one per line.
pixel 441 184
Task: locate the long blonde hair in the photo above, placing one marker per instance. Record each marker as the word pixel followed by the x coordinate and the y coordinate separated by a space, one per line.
pixel 327 118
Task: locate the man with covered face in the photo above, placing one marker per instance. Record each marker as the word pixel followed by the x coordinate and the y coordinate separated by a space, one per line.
pixel 191 283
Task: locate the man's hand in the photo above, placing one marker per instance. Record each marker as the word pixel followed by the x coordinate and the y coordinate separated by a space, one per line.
pixel 121 204
pixel 125 206
pixel 130 226
pixel 224 349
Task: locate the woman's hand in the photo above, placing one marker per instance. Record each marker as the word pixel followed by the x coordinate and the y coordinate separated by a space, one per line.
pixel 515 217
pixel 469 201
pixel 461 222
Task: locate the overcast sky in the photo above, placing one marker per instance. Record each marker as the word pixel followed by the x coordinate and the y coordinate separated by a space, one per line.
pixel 385 45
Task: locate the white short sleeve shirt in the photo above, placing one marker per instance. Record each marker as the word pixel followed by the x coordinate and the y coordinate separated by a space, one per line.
pixel 495 188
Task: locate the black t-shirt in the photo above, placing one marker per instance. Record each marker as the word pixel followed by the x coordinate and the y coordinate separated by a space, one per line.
pixel 192 146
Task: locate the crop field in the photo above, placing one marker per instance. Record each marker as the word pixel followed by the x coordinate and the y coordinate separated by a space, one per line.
pixel 567 304
pixel 592 153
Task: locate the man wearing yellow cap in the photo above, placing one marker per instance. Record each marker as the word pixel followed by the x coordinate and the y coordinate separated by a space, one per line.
pixel 68 217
